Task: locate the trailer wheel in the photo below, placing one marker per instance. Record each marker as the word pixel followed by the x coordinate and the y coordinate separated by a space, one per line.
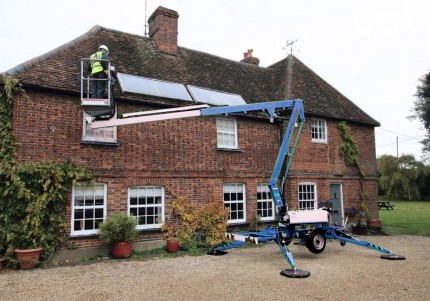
pixel 315 241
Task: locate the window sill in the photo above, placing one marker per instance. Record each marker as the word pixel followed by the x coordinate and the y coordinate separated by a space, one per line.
pixel 267 221
pixel 88 142
pixel 238 224
pixel 234 150
pixel 149 231
pixel 79 236
pixel 319 141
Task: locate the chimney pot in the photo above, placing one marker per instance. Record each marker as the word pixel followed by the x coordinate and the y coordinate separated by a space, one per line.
pixel 249 59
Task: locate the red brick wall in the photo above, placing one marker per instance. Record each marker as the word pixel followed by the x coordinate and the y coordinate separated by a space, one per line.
pixel 182 156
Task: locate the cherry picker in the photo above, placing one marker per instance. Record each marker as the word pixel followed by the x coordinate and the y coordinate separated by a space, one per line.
pixel 311 227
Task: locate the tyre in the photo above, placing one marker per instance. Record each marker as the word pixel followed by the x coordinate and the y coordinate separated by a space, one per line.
pixel 315 241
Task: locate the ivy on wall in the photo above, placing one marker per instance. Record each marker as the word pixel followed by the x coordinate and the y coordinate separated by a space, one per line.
pixel 33 195
pixel 351 154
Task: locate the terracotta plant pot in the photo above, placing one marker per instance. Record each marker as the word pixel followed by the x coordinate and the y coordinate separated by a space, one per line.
pixel 1 263
pixel 28 259
pixel 121 249
pixel 172 245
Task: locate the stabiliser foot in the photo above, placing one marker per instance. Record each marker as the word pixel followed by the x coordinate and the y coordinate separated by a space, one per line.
pixel 295 273
pixel 393 257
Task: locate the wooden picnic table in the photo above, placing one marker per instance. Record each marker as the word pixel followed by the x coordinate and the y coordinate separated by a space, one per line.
pixel 385 204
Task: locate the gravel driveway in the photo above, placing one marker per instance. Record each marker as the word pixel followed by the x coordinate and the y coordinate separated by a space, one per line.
pixel 339 273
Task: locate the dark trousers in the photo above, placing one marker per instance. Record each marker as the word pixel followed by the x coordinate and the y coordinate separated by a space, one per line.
pixel 98 85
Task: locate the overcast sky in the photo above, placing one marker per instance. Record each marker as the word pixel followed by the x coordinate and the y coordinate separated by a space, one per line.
pixel 372 51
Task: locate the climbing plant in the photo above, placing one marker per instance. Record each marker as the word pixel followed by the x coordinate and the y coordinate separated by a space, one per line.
pixel 351 154
pixel 9 87
pixel 33 196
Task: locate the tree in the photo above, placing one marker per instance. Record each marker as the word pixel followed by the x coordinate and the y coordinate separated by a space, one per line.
pixel 401 178
pixel 421 109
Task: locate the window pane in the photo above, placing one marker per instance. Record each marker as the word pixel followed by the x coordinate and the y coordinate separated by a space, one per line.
pixel 79 214
pixel 142 211
pixel 98 213
pixel 142 200
pixel 89 225
pixel 150 220
pixel 89 213
pixel 133 211
pixel 77 225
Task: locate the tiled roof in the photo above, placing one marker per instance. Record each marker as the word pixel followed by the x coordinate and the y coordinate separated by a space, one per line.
pixel 133 54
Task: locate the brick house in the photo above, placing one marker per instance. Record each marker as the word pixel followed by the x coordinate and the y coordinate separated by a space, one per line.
pixel 142 161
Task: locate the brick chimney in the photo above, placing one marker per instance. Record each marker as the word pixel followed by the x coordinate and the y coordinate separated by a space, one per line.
pixel 163 29
pixel 249 59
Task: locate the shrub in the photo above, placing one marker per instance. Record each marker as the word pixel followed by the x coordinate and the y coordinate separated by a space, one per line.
pixel 118 227
pixel 206 225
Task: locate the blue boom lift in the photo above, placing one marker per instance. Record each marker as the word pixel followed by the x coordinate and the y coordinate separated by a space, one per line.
pixel 311 227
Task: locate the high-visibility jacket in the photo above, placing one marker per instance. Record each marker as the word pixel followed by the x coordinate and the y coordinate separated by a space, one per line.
pixel 97 65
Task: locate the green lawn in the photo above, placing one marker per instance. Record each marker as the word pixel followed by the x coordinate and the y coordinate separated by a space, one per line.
pixel 412 218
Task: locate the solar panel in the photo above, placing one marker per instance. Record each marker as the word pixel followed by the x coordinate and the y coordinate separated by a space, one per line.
pixel 217 98
pixel 154 87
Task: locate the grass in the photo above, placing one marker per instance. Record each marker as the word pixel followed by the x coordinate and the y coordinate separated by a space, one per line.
pixel 160 253
pixel 408 217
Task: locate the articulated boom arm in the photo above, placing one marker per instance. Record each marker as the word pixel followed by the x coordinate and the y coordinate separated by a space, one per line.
pixel 312 227
pixel 272 108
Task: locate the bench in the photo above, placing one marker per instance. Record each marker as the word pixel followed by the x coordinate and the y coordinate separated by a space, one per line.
pixel 385 204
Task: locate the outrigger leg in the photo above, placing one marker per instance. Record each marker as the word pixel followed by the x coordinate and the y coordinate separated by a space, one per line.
pixel 345 237
pixel 294 272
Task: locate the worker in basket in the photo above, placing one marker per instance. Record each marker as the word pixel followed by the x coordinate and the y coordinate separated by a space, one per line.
pixel 99 71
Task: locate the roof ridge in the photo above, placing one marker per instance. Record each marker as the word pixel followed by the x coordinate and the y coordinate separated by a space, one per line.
pixel 121 32
pixel 223 58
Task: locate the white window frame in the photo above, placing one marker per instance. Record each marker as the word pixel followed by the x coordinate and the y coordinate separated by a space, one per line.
pixel 102 135
pixel 234 202
pixel 229 132
pixel 156 220
pixel 307 196
pixel 87 191
pixel 265 204
pixel 319 131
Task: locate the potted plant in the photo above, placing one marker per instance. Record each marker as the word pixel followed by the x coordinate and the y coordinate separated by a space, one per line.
pixel 173 243
pixel 27 246
pixel 118 231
